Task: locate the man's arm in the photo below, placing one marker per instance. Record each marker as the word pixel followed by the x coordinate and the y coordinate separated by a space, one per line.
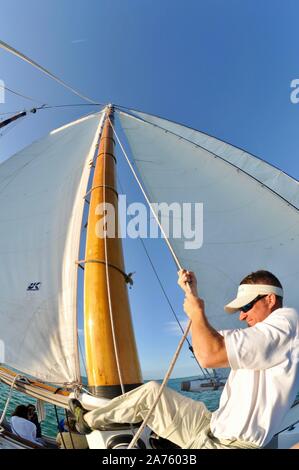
pixel 208 345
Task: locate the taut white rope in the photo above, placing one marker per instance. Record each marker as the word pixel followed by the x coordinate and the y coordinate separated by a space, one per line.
pixel 147 199
pixel 163 385
pixel 176 354
pixel 17 377
pixel 107 277
pixel 10 49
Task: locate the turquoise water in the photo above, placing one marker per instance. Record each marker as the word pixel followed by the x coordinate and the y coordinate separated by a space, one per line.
pixel 49 426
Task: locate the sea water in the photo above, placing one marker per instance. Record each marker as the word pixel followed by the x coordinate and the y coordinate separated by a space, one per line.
pixel 49 425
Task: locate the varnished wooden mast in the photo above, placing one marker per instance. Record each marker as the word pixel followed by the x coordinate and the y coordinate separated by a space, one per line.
pixel 102 371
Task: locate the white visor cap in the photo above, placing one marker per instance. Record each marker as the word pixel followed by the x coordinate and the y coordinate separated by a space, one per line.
pixel 248 292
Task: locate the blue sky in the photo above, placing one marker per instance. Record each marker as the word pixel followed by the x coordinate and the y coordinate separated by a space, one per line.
pixel 223 67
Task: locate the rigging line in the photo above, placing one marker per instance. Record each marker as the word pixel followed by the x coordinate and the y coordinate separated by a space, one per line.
pixel 69 429
pixel 163 385
pixel 19 94
pixel 108 280
pixel 107 271
pixel 82 355
pixel 179 347
pixel 147 199
pixel 93 152
pixel 11 112
pixel 56 106
pixel 205 372
pixel 178 350
pixel 12 125
pixel 69 105
pixel 6 122
pixel 59 430
pixel 10 49
pixel 17 377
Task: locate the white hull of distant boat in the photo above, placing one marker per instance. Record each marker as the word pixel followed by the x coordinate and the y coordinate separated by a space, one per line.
pixel 200 385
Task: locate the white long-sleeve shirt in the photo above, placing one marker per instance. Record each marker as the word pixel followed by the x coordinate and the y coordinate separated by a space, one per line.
pixel 264 379
pixel 23 428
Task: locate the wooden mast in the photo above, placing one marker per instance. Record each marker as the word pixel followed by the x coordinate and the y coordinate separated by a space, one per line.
pixel 102 369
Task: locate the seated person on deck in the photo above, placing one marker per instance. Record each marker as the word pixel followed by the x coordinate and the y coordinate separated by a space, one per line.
pixel 32 416
pixel 21 426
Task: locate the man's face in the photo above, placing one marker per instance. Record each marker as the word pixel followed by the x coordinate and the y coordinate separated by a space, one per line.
pixel 260 310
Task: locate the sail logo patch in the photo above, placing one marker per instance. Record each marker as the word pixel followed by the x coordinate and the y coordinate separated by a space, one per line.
pixel 34 286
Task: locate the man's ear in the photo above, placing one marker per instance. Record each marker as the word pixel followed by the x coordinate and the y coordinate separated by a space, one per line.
pixel 271 300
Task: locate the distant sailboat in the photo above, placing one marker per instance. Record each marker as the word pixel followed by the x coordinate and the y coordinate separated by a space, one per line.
pixel 202 384
pixel 250 220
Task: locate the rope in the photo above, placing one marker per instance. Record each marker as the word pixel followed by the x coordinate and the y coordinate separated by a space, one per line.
pixel 9 112
pixel 9 397
pixel 70 105
pixel 177 352
pixel 11 119
pixel 184 337
pixel 55 106
pixel 147 199
pixel 6 130
pixel 108 288
pixel 108 280
pixel 19 94
pixel 161 389
pixel 205 372
pixel 82 355
pixel 69 430
pixel 10 49
pixel 7 125
pixel 60 432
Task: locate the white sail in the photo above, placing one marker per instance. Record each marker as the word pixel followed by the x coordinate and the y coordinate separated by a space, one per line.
pixel 41 207
pixel 251 218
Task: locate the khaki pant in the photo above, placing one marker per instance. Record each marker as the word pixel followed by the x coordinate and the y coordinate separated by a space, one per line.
pixel 183 421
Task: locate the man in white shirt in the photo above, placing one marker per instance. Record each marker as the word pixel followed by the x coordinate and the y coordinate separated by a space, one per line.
pixel 261 387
